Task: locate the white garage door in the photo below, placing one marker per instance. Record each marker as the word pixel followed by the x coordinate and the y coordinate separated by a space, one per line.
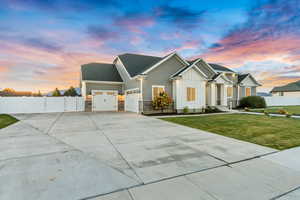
pixel 105 100
pixel 132 101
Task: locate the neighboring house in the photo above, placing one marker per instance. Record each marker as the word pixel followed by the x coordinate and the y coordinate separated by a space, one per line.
pixel 193 84
pixel 291 89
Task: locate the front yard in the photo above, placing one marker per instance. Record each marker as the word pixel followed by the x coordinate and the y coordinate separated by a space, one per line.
pixel 275 132
pixel 294 110
pixel 6 120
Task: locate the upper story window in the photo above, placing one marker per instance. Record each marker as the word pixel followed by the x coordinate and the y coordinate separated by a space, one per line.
pixel 156 90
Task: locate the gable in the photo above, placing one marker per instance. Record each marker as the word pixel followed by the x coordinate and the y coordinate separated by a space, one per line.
pixel 167 68
pixel 221 79
pixel 249 81
pixel 193 75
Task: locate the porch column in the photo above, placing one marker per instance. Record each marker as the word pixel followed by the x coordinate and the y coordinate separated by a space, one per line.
pixel 212 94
pixel 224 99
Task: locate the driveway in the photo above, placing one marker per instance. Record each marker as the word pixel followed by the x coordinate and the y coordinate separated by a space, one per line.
pixel 127 156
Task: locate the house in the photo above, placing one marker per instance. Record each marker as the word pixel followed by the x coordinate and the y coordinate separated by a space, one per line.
pixel 138 79
pixel 291 89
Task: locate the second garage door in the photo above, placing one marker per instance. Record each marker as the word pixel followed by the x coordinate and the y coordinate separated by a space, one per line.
pixel 105 100
pixel 132 100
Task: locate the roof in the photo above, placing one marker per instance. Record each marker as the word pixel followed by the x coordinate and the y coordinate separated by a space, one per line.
pixel 218 67
pixel 136 64
pixel 291 87
pixel 180 71
pixel 100 72
pixel 241 77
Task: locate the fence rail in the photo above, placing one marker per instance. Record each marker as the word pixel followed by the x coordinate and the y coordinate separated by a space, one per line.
pixel 282 101
pixel 11 105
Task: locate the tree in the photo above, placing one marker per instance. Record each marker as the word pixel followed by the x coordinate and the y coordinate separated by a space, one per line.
pixel 56 93
pixel 39 94
pixel 162 101
pixel 71 92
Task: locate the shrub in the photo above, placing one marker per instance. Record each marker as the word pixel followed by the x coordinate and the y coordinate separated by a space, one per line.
pixel 253 102
pixel 186 110
pixel 162 101
pixel 266 113
pixel 211 110
pixel 282 111
pixel 246 109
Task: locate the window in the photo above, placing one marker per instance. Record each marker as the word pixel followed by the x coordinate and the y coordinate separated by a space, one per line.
pixel 229 91
pixel 156 90
pixel 281 94
pixel 191 94
pixel 248 92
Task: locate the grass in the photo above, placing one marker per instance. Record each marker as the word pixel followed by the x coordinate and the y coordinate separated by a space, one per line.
pixel 6 120
pixel 275 132
pixel 294 110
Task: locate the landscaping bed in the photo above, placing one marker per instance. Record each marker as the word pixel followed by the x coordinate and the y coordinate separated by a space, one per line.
pixel 278 133
pixel 293 110
pixel 6 120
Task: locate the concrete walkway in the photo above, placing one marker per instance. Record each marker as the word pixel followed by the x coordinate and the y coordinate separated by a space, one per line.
pixel 127 156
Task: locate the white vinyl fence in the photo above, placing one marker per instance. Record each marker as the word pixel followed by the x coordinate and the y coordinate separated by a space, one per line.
pixel 282 101
pixel 41 104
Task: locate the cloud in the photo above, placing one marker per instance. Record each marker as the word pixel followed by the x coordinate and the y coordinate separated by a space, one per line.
pixel 134 21
pixel 101 33
pixel 42 44
pixel 272 33
pixel 182 17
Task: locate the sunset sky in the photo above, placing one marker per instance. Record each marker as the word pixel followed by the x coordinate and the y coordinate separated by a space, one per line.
pixel 44 42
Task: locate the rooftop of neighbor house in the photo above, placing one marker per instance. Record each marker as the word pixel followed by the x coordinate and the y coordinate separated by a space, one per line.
pixel 291 87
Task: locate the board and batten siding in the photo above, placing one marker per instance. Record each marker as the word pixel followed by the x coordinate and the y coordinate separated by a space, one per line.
pixel 161 76
pixel 190 79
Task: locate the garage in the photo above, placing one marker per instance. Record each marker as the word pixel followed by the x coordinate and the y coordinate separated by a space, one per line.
pixel 132 100
pixel 104 100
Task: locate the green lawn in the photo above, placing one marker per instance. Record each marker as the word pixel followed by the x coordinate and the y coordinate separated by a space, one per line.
pixel 275 132
pixel 290 109
pixel 6 120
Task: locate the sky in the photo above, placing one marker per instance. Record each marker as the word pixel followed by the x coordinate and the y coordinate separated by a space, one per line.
pixel 44 42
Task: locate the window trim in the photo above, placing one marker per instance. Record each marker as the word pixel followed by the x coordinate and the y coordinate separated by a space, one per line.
pixel 157 86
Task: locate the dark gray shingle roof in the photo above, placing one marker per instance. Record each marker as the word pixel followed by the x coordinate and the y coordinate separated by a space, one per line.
pixel 241 77
pixel 291 87
pixel 136 64
pixel 220 67
pixel 100 72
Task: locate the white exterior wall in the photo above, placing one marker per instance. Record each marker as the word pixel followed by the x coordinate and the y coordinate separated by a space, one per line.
pixel 291 94
pixel 282 101
pixel 12 105
pixel 194 80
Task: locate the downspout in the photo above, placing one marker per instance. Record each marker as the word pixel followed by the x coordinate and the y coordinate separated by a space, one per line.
pixel 238 95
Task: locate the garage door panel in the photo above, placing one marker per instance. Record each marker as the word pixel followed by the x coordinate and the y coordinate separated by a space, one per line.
pixel 132 102
pixel 105 100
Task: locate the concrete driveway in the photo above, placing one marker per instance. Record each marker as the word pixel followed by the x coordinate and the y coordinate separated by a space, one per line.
pixel 127 156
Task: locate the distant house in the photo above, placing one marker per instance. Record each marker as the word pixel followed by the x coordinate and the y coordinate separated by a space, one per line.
pixel 195 84
pixel 291 89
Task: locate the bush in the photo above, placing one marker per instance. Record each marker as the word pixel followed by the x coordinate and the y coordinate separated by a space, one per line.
pixel 211 110
pixel 266 113
pixel 253 102
pixel 282 112
pixel 288 115
pixel 186 110
pixel 161 102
